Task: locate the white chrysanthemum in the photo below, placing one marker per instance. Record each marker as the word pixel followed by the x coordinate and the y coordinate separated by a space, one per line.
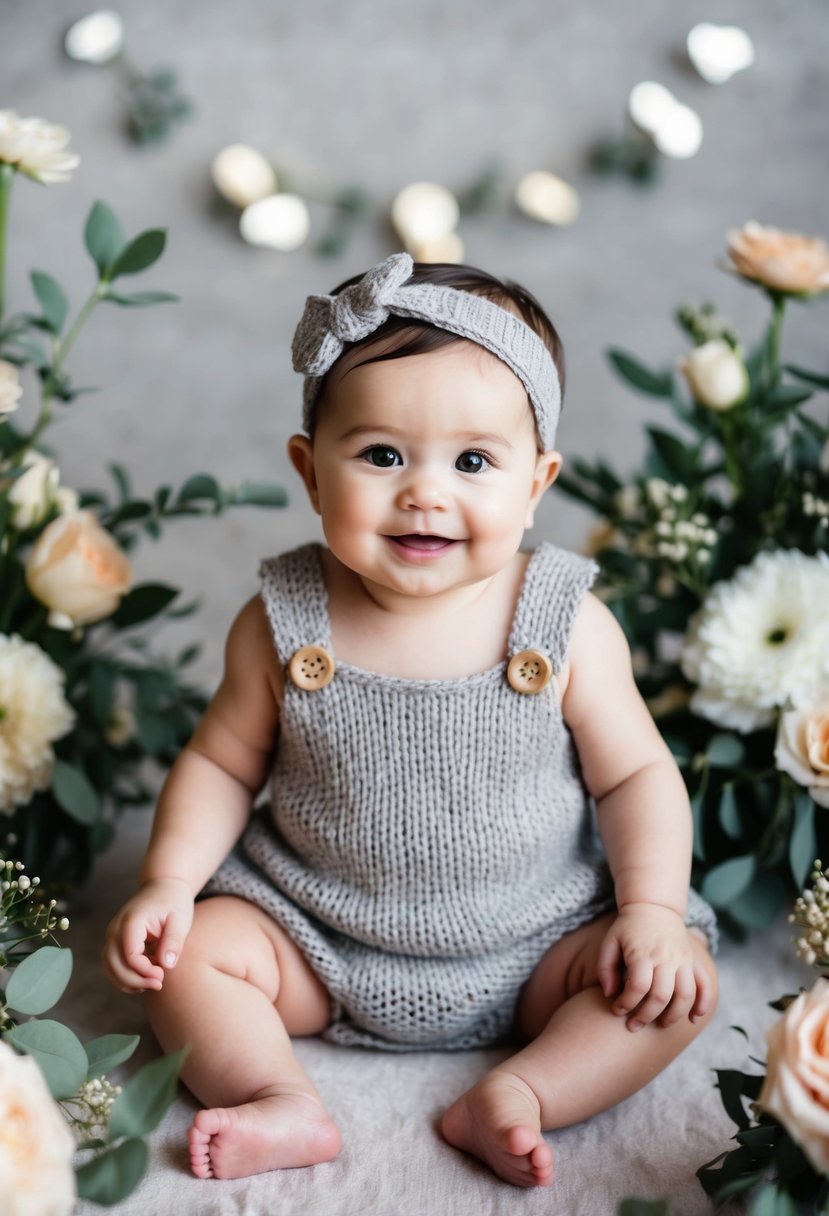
pixel 10 390
pixel 33 713
pixel 37 148
pixel 761 640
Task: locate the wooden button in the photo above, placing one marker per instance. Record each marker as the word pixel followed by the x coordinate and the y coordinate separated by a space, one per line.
pixel 311 668
pixel 529 671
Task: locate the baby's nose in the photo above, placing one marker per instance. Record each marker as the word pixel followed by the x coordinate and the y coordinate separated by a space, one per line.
pixel 424 490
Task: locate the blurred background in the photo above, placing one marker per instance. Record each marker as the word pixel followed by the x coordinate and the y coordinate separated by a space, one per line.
pixel 369 97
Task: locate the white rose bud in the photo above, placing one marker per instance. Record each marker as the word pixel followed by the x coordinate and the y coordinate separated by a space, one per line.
pixel 77 570
pixel 716 375
pixel 33 493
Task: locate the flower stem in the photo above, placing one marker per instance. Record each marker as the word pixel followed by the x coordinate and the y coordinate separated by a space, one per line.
pixel 6 180
pixel 62 350
pixel 773 340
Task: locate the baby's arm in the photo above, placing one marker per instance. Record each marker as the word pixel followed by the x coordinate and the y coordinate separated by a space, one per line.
pixel 203 808
pixel 646 965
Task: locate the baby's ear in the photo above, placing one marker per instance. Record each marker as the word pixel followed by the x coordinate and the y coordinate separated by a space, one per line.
pixel 547 469
pixel 301 455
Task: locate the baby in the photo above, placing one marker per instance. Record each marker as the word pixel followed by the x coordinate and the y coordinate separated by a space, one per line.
pixel 445 721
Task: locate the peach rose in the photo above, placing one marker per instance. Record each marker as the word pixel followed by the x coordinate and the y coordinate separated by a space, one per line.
pixel 782 261
pixel 802 749
pixel 36 1145
pixel 796 1088
pixel 77 569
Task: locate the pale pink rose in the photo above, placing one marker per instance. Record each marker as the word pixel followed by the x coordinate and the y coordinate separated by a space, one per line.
pixel 796 1088
pixel 77 569
pixel 782 261
pixel 802 749
pixel 36 1145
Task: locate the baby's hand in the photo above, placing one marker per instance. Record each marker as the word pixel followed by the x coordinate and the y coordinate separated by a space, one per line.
pixel 144 940
pixel 646 967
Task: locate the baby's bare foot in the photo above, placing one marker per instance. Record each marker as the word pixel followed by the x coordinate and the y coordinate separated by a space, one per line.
pixel 288 1127
pixel 499 1120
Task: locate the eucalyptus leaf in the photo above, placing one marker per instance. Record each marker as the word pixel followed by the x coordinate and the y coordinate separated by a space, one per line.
pixel 52 300
pixel 201 485
pixel 656 384
pixel 142 299
pixel 104 237
pixel 139 254
pixel 771 1201
pixel 726 881
pixel 40 980
pixel 803 840
pixel 112 1175
pixel 143 603
pixel 142 1104
pixel 822 381
pixel 728 811
pixel 58 1052
pixel 644 1207
pixel 761 902
pixel 260 494
pixel 75 793
pixel 725 751
pixel 108 1051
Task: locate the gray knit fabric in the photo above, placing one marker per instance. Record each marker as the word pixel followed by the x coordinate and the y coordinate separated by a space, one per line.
pixel 427 840
pixel 328 322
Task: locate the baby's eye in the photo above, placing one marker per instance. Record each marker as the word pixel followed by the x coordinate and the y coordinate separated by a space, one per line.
pixel 381 457
pixel 471 462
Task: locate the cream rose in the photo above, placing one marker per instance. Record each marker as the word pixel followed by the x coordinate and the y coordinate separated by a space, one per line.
pixel 796 1088
pixel 802 749
pixel 77 569
pixel 37 148
pixel 783 261
pixel 10 390
pixel 36 1145
pixel 716 375
pixel 33 493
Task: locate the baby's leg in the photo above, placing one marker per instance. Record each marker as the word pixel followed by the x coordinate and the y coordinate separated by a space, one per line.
pixel 583 1059
pixel 239 989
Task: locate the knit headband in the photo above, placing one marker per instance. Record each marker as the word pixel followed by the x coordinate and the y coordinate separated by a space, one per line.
pixel 328 322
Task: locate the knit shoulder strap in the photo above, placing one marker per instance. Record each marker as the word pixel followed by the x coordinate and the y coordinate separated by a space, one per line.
pixel 296 601
pixel 555 583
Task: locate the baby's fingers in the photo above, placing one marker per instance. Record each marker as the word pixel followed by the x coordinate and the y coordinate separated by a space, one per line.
pixel 704 1002
pixel 657 998
pixel 609 966
pixel 637 986
pixel 685 991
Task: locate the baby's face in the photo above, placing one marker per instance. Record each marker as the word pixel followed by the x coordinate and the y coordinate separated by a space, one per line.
pixel 425 469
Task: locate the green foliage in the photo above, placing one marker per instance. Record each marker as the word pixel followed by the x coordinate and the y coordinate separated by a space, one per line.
pixel 130 704
pixel 110 1121
pixel 716 487
pixel 766 1164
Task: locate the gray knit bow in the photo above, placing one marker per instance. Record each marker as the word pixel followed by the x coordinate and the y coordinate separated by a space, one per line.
pixel 328 322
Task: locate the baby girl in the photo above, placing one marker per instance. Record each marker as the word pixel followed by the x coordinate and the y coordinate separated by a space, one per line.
pixel 475 832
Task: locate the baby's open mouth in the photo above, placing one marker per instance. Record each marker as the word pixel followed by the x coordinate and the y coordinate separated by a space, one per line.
pixel 412 540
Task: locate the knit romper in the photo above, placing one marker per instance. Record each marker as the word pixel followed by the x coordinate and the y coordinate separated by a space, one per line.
pixel 427 840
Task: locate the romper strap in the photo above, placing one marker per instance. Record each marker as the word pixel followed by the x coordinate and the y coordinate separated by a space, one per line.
pixel 296 601
pixel 555 583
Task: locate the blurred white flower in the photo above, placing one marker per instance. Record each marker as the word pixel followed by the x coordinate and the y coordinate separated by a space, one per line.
pixel 33 493
pixel 37 148
pixel 36 1145
pixel 33 714
pixel 716 375
pixel 10 390
pixel 802 748
pixel 761 641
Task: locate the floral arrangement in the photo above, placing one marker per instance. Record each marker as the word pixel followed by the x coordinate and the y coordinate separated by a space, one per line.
pixel 84 703
pixel 66 1129
pixel 714 561
pixel 783 1138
